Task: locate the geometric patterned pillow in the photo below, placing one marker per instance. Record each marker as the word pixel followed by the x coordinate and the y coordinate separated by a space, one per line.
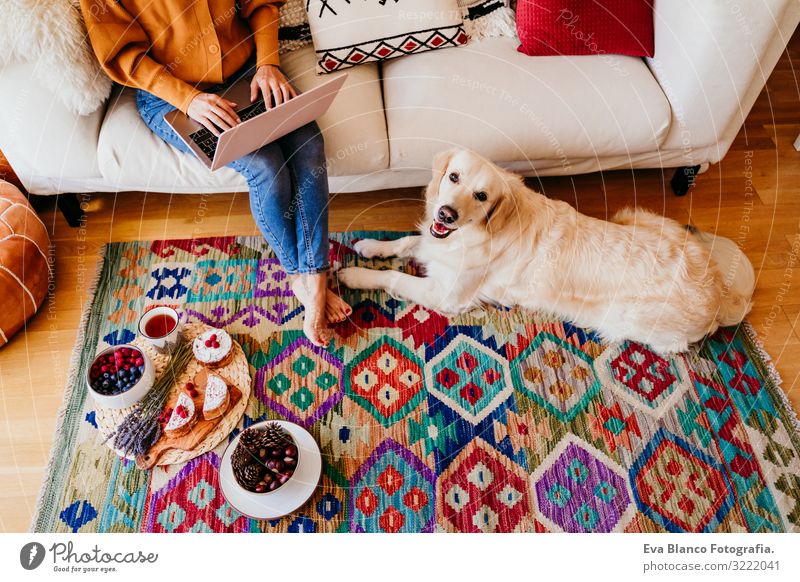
pixel 348 33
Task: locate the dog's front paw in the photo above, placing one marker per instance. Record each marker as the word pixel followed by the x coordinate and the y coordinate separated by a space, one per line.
pixel 357 278
pixel 370 248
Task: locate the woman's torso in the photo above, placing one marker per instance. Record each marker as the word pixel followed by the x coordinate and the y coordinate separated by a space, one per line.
pixel 201 42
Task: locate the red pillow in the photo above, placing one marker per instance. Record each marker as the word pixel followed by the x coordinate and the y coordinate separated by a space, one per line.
pixel 586 27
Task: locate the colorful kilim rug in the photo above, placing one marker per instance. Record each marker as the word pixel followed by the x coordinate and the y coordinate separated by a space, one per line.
pixel 495 420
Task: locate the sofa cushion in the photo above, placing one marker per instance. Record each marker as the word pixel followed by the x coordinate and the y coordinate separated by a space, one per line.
pixel 355 125
pixel 132 157
pixel 510 107
pixel 40 135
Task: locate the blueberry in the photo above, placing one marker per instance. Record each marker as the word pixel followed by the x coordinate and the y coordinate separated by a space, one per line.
pixel 141 369
pixel 106 375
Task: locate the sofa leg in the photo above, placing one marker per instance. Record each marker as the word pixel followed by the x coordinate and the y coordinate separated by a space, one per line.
pixel 70 207
pixel 683 179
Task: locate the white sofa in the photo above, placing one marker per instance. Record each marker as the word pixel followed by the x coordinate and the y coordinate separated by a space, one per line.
pixel 535 115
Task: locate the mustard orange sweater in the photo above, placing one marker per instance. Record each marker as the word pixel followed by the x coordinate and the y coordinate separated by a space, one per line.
pixel 176 48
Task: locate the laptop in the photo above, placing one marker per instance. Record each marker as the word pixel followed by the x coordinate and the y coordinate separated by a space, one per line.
pixel 260 124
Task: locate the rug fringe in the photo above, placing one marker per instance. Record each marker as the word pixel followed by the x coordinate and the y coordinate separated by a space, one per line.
pixel 71 383
pixel 774 377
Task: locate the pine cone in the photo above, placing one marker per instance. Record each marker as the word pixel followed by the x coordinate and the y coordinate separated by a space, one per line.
pixel 241 458
pixel 252 439
pixel 275 436
pixel 250 476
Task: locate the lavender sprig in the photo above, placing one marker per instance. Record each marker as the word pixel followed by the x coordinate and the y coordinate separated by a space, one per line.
pixel 140 429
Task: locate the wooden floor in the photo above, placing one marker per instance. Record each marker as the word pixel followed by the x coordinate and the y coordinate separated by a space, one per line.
pixel 753 196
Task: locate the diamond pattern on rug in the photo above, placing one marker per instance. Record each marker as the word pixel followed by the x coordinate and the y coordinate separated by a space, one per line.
pixel 190 502
pixel 392 492
pixel 483 491
pixel 469 377
pixel 494 420
pixel 680 487
pixel 557 375
pixel 386 379
pixel 301 382
pixel 578 489
pixel 215 280
pixel 643 378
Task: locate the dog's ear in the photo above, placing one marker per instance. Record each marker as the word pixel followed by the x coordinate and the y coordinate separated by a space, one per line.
pixel 440 163
pixel 442 160
pixel 506 206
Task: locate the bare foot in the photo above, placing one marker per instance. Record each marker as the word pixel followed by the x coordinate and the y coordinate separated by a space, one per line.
pixel 336 308
pixel 311 290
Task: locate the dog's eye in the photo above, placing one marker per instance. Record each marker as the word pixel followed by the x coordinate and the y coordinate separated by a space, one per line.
pixel 454 177
pixel 480 196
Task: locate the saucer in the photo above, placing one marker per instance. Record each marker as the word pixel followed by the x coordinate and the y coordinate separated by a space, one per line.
pixel 286 498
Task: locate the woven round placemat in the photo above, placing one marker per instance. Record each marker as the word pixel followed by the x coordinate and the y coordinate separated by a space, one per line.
pixel 237 373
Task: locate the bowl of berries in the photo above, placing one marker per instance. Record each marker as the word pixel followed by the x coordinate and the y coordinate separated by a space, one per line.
pixel 120 376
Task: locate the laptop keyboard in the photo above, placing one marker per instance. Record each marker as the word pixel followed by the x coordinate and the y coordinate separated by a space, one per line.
pixel 207 141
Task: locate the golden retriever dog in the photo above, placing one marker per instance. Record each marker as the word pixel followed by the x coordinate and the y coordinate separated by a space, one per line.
pixel 488 238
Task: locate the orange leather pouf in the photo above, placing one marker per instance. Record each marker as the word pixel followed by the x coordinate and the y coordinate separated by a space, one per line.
pixel 24 269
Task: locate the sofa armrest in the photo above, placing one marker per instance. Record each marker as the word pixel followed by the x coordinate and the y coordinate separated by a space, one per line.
pixel 712 59
pixel 44 141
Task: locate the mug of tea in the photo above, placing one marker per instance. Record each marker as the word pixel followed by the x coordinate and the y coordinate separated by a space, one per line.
pixel 160 326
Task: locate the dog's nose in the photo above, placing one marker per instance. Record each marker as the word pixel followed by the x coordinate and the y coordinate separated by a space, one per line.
pixel 447 214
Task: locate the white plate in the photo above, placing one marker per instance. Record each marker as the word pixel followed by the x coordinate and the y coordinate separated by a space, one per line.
pixel 291 495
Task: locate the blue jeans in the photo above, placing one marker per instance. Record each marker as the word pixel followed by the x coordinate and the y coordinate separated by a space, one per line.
pixel 288 184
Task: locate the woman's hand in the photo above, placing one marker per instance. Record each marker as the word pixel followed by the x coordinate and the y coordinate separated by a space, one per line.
pixel 272 82
pixel 213 112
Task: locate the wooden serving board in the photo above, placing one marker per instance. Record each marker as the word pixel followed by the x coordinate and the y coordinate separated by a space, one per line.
pixel 236 374
pixel 200 429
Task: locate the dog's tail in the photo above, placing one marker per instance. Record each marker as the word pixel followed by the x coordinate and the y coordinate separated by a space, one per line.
pixel 738 276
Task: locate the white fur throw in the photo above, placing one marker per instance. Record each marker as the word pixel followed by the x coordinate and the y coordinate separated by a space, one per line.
pixel 51 33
